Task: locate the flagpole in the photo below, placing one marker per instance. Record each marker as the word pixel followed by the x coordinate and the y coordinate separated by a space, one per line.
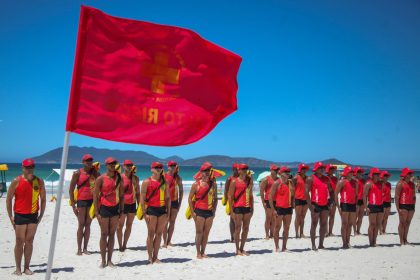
pixel 58 204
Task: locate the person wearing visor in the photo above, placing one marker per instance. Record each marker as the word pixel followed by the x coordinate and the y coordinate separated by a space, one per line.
pixel 386 192
pixel 281 201
pixel 131 189
pixel 228 182
pixel 156 204
pixel 372 197
pixel 318 189
pixel 242 204
pixel 405 201
pixel 203 199
pixel 108 200
pixel 176 192
pixel 84 181
pixel 348 197
pixel 301 206
pixel 329 172
pixel 27 190
pixel 265 192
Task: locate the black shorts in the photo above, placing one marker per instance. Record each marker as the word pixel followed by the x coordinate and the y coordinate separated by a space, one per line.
pixel 408 207
pixel 347 207
pixel 360 202
pixel 84 203
pixel 204 213
pixel 175 204
pixel 376 208
pixel 241 210
pixel 267 204
pixel 109 211
pixel 386 204
pixel 130 208
pixel 299 202
pixel 25 219
pixel 284 211
pixel 319 208
pixel 156 211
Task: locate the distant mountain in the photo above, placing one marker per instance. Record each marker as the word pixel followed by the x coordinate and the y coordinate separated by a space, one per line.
pixel 143 158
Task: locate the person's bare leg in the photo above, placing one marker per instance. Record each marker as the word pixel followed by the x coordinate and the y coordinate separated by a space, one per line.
pixel 103 243
pixel 267 224
pixel 277 233
pixel 151 230
pixel 86 232
pixel 232 229
pixel 20 233
pixel 323 224
pixel 385 220
pixel 28 248
pixel 302 220
pixel 120 227
pixel 314 224
pixel 298 214
pixel 161 223
pixel 171 228
pixel 287 219
pixel 344 226
pixel 331 217
pixel 113 224
pixel 199 229
pixel 379 218
pixel 207 226
pixel 352 217
pixel 81 220
pixel 407 226
pixel 371 230
pixel 360 214
pixel 238 226
pixel 245 230
pixel 128 227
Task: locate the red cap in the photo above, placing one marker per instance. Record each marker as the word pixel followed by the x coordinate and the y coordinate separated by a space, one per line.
pixel 110 160
pixel 128 162
pixel 385 173
pixel 87 157
pixel 358 170
pixel 235 166
pixel 374 171
pixel 242 166
pixel 302 166
pixel 172 163
pixel 318 165
pixel 406 171
pixel 156 164
pixel 328 167
pixel 274 167
pixel 206 166
pixel 284 169
pixel 28 162
pixel 346 171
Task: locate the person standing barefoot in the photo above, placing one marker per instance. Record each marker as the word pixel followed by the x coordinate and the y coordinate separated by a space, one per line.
pixel 301 206
pixel 265 192
pixel 386 192
pixel 372 197
pixel 204 205
pixel 26 189
pixel 360 207
pixel 242 201
pixel 281 201
pixel 228 182
pixel 405 201
pixel 330 169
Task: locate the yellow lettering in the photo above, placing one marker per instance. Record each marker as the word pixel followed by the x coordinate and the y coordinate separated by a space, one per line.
pixel 169 118
pixel 153 116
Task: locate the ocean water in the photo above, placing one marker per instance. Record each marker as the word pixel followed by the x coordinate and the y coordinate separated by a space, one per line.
pixel 45 171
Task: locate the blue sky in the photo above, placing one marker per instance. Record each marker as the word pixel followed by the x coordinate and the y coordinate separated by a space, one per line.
pixel 319 79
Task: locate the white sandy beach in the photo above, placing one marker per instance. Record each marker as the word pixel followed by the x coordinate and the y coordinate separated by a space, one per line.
pixel 387 261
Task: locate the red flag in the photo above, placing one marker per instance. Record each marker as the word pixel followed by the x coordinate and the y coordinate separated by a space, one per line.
pixel 144 83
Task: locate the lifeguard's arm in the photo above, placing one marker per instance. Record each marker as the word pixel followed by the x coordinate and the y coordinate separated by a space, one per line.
pixel 96 191
pixel 308 185
pixel 73 182
pixel 167 199
pixel 143 196
pixel 397 195
pixel 121 195
pixel 330 190
pixel 366 189
pixel 263 185
pixel 357 191
pixel 226 190
pixel 251 195
pixel 215 200
pixel 232 189
pixel 137 188
pixel 180 189
pixel 338 188
pixel 274 188
pixel 43 197
pixel 9 198
pixel 292 193
pixel 193 190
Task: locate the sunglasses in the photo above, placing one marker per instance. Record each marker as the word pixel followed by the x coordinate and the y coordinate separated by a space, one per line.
pixel 29 167
pixel 157 167
pixel 129 165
